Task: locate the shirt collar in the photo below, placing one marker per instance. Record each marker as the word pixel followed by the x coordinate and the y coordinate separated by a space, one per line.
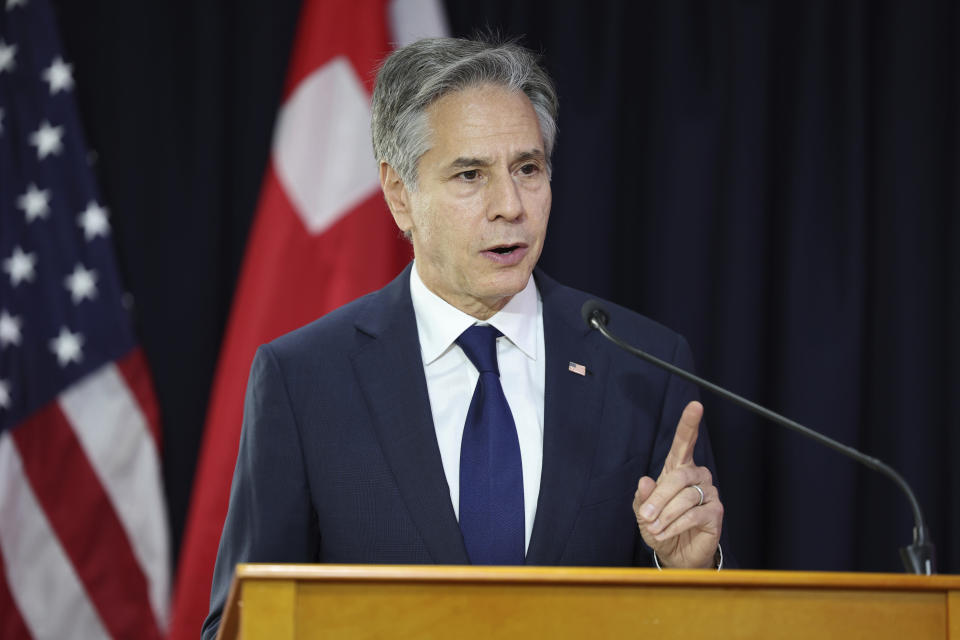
pixel 439 323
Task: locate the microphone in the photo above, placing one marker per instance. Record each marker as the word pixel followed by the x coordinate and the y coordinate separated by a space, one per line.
pixel 917 557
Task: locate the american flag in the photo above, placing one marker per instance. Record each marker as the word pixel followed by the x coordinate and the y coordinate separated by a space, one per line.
pixel 577 368
pixel 84 543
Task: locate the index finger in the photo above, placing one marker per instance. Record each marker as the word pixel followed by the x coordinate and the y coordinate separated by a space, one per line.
pixel 684 440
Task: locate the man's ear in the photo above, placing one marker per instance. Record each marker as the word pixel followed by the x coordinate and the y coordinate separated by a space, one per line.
pixel 397 197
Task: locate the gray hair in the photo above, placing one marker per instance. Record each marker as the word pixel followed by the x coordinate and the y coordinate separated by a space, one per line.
pixel 419 74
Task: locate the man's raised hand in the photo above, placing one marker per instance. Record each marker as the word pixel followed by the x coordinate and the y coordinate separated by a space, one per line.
pixel 683 528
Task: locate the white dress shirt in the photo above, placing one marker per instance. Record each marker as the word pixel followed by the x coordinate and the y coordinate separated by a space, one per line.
pixel 451 379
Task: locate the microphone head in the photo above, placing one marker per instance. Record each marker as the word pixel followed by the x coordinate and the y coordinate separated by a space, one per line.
pixel 593 314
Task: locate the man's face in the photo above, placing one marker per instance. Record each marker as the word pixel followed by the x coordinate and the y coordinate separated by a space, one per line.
pixel 479 216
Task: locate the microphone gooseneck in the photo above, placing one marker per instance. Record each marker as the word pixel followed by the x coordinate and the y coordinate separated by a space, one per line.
pixel 917 557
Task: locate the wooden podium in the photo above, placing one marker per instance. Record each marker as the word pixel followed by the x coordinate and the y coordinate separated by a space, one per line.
pixel 375 601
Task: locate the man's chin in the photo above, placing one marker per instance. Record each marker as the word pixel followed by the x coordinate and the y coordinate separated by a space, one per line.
pixel 507 285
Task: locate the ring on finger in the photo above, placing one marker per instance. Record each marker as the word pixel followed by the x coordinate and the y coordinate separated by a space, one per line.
pixel 700 491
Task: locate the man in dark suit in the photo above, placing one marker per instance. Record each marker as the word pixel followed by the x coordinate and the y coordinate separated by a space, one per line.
pixel 465 413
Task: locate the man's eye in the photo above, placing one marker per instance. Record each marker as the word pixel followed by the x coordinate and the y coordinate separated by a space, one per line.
pixel 529 169
pixel 470 175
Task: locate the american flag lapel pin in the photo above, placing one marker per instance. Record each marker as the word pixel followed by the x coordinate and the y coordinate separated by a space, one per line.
pixel 577 368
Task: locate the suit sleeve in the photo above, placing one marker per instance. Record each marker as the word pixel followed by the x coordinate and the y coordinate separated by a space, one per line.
pixel 271 517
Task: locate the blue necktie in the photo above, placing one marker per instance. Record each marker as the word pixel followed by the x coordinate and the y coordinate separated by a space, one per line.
pixel 491 475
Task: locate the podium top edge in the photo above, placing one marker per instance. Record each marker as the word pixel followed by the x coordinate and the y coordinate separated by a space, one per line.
pixel 597 575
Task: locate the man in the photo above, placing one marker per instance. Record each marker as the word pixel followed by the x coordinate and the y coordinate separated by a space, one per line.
pixel 464 413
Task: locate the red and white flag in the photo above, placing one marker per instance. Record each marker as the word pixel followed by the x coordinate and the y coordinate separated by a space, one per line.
pixel 321 237
pixel 84 541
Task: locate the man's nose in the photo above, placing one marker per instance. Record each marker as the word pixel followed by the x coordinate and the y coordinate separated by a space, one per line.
pixel 505 201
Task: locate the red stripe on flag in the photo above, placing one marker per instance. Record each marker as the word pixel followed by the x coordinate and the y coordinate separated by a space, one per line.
pixel 12 626
pixel 133 368
pixel 70 493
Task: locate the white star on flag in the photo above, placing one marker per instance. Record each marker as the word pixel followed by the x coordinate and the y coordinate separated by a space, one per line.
pixel 20 266
pixel 82 284
pixel 47 139
pixel 4 394
pixel 94 221
pixel 9 329
pixel 59 75
pixel 16 3
pixel 35 203
pixel 67 346
pixel 7 53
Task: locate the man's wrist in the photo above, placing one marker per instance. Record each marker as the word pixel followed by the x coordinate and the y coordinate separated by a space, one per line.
pixel 717 559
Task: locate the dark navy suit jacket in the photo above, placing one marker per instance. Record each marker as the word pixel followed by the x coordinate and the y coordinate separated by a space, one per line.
pixel 339 461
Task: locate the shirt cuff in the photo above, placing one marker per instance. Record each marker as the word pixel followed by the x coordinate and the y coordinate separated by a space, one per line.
pixel 717 559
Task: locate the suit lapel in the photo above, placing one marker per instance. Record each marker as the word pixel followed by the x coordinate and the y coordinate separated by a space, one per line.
pixel 572 405
pixel 389 370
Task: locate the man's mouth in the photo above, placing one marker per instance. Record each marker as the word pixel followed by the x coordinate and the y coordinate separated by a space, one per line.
pixel 504 249
pixel 507 254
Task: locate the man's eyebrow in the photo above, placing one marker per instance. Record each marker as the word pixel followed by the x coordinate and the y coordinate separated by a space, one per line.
pixel 462 162
pixel 533 154
pixel 523 156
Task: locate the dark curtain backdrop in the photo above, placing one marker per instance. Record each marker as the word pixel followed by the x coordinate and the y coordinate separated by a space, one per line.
pixel 779 181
